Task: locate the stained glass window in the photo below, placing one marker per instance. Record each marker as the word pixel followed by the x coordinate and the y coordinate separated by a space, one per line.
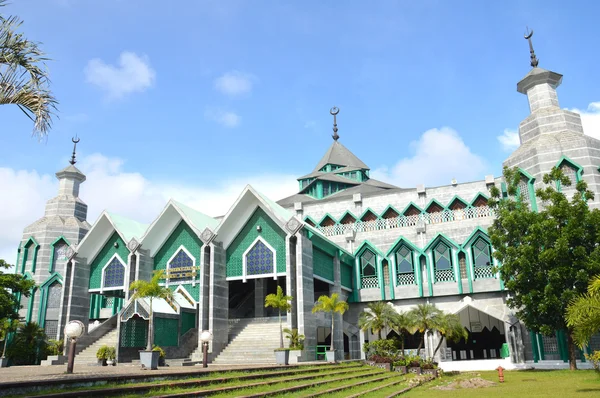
pixel 59 257
pixel 259 260
pixel 368 263
pixel 482 253
pixel 404 260
pixel 114 274
pixel 54 292
pixel 180 266
pixel 442 256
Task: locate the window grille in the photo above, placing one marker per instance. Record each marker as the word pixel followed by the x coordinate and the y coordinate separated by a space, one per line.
pixel 550 344
pixel 524 190
pixel 443 263
pixel 405 266
pixel 259 260
pixel 369 270
pixel 114 274
pixel 54 292
pixel 462 264
pixel 180 266
pixel 51 329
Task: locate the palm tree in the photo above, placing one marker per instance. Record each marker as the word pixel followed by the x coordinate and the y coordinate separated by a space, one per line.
pixel 450 327
pixel 150 290
pixel 332 305
pixel 426 317
pixel 403 323
pixel 23 77
pixel 583 313
pixel 281 302
pixel 379 315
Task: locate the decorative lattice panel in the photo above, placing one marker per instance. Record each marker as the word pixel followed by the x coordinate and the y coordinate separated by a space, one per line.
pixel 165 332
pixel 54 292
pixel 322 264
pixel 59 256
pixel 270 232
pixel 188 321
pixel 180 266
pixel 134 332
pixel 108 302
pixel 484 272
pixel 444 275
pixel 406 279
pixel 114 273
pixel 346 274
pixel 369 282
pixel 550 344
pixel 104 256
pixel 259 260
pixel 51 329
pixel 523 188
pixel 181 236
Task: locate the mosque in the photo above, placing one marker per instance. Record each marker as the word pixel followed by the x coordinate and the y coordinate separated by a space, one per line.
pixel 343 232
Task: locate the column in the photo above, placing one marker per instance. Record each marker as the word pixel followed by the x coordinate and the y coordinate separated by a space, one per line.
pixel 305 292
pixel 290 280
pixel 338 332
pixel 218 303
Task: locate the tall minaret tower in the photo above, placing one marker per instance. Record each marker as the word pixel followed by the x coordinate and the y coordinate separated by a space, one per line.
pixel 44 247
pixel 551 136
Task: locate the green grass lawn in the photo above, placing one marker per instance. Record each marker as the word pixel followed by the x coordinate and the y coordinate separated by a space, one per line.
pixel 529 383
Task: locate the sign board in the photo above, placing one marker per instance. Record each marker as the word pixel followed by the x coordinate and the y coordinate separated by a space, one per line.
pixel 476 327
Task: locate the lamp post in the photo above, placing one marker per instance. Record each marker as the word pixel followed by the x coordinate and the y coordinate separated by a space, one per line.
pixel 205 338
pixel 73 331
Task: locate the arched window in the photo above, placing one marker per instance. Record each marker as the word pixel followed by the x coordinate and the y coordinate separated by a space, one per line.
pixel 405 266
pixel 523 190
pixel 54 292
pixel 59 255
pixel 114 274
pixel 570 172
pixel 368 267
pixel 52 310
pixel 482 259
pixel 442 259
pixel 259 260
pixel 180 266
pixel 462 265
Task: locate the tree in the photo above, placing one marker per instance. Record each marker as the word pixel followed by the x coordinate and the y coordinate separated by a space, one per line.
pixel 547 256
pixel 425 317
pixel 281 302
pixel 583 313
pixel 10 286
pixel 450 328
pixel 150 290
pixel 403 323
pixel 332 305
pixel 23 77
pixel 378 316
pixel 6 327
pixel 29 342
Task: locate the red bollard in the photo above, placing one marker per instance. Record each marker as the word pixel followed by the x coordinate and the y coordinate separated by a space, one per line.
pixel 500 370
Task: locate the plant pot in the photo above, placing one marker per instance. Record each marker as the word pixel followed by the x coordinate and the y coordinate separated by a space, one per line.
pixel 282 357
pixel 295 356
pixel 401 369
pixel 101 362
pixel 416 371
pixel 149 359
pixel 433 372
pixel 161 361
pixel 109 362
pixel 330 355
pixel 3 362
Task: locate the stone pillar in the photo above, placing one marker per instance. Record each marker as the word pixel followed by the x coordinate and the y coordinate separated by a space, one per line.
pixel 338 337
pixel 362 343
pixel 218 303
pixel 204 291
pixel 260 292
pixel 78 294
pixel 305 292
pixel 290 280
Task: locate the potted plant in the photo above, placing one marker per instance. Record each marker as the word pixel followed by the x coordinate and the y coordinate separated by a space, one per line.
pixel 414 365
pixel 400 366
pixel 150 290
pixel 111 354
pixel 161 356
pixel 102 356
pixel 296 343
pixel 332 305
pixel 281 302
pixel 429 367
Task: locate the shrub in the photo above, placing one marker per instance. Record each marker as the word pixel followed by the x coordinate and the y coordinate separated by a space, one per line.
pixel 111 353
pixel 594 358
pixel 381 359
pixel 55 347
pixel 384 347
pixel 102 352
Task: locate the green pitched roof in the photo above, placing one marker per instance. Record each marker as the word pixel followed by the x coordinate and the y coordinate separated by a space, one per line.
pixel 198 220
pixel 127 227
pixel 277 209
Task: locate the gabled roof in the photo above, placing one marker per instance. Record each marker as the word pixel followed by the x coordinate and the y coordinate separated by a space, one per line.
pixel 340 155
pixel 198 220
pixel 126 227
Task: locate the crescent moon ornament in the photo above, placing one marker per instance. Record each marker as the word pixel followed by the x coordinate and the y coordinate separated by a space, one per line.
pixel 334 111
pixel 528 34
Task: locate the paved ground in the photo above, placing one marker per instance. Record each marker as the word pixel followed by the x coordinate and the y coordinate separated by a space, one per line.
pixel 57 372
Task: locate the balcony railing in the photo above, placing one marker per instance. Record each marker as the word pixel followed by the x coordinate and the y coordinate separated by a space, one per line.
pixel 408 221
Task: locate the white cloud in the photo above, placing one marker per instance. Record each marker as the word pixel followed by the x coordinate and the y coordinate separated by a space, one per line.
pixel 225 118
pixel 509 140
pixel 439 156
pixel 590 119
pixel 133 74
pixel 235 83
pixel 110 186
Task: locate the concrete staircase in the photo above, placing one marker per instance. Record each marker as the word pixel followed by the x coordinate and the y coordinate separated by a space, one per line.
pixel 251 341
pixel 88 355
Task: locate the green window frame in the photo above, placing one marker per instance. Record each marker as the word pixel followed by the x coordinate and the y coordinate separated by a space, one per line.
pixel 483 263
pixel 442 263
pixel 368 270
pixel 405 267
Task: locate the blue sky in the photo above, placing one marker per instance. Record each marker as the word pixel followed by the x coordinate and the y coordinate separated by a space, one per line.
pixel 193 98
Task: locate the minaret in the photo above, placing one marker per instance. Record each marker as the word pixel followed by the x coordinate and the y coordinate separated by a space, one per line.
pixel 43 250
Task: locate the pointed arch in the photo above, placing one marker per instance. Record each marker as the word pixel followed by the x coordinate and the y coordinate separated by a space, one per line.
pixel 479 200
pixel 50 304
pixel 113 274
pixel 327 221
pixel 434 206
pixel 181 266
pixel 570 169
pixel 526 190
pixel 457 203
pixel 405 259
pixel 443 255
pixel 369 268
pixel 58 251
pixel 31 247
pixel 412 210
pixel 259 260
pixel 368 215
pixel 310 221
pixel 390 212
pixel 348 218
pixel 479 252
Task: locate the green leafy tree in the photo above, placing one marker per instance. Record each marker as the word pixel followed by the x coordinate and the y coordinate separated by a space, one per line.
pixel 28 344
pixel 547 256
pixel 403 323
pixel 377 316
pixel 280 302
pixel 331 305
pixel 10 285
pixel 151 290
pixel 425 317
pixel 450 328
pixel 583 313
pixel 23 77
